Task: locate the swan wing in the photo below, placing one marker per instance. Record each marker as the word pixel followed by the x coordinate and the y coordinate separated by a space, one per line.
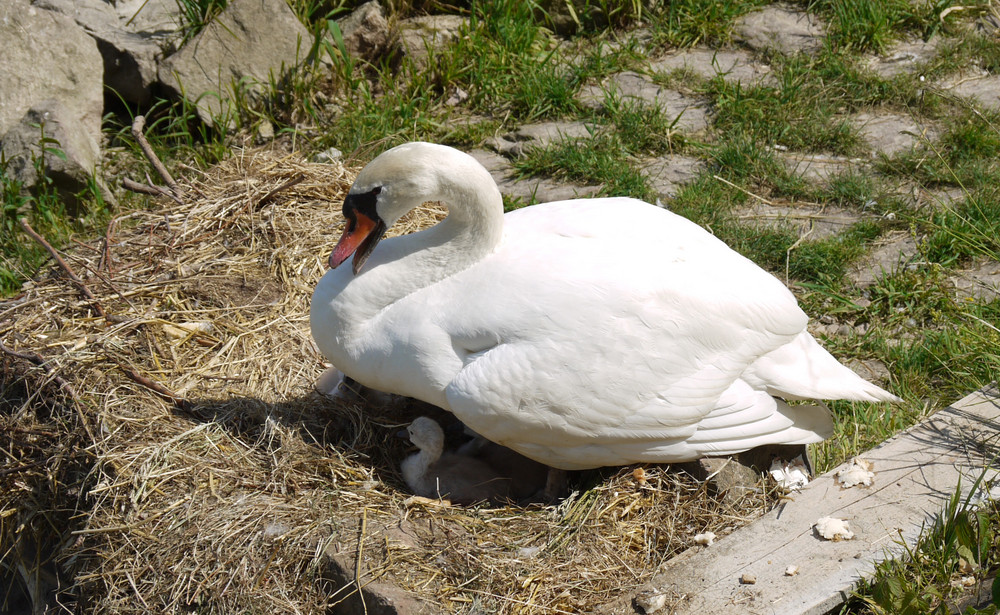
pixel 558 342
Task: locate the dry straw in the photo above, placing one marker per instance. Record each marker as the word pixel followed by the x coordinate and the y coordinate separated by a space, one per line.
pixel 173 456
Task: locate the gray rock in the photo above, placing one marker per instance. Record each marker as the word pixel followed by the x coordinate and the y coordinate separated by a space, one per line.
pixel 871 370
pixel 130 58
pixel 668 174
pixel 531 189
pixel 727 476
pixel 936 199
pixel 35 68
pixel 903 58
pixel 892 252
pixel 782 28
pixel 161 19
pixel 328 156
pixel 69 161
pixel 806 220
pixel 981 283
pixel 515 144
pixel 891 133
pixel 983 89
pixel 689 112
pixel 817 167
pixel 421 36
pixel 366 31
pixel 51 87
pixel 735 66
pixel 250 42
pixel 338 567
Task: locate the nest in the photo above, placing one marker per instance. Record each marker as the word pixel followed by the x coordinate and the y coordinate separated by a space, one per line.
pixel 165 449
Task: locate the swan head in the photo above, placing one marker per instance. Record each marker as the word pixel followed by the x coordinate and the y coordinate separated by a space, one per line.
pixel 397 181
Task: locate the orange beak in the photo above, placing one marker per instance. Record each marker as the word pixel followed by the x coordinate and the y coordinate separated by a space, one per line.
pixel 359 238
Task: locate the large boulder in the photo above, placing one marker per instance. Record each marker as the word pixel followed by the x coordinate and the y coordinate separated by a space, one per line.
pixel 158 19
pixel 420 37
pixel 365 31
pixel 67 156
pixel 130 55
pixel 51 81
pixel 250 43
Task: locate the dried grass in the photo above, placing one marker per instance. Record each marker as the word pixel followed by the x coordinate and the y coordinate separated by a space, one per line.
pixel 257 494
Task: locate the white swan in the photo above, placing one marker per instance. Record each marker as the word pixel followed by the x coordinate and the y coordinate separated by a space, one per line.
pixel 431 473
pixel 579 333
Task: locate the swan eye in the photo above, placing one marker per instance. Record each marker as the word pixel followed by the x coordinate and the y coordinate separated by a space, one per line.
pixel 377 190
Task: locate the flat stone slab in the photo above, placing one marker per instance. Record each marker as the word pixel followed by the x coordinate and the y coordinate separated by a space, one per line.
pixel 807 221
pixel 891 253
pixel 981 283
pixel 736 66
pixel 782 28
pixel 983 89
pixel 916 473
pixel 530 189
pixel 936 199
pixel 517 143
pixel 903 58
pixel 667 175
pixel 689 112
pixel 891 133
pixel 818 167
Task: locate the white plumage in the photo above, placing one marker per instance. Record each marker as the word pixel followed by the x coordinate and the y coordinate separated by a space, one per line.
pixel 579 333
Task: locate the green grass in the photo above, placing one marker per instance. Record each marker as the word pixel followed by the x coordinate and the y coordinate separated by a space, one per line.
pixel 865 25
pixel 805 109
pixel 965 155
pixel 971 229
pixel 641 129
pixel 511 64
pixel 601 160
pixel 50 212
pixel 685 23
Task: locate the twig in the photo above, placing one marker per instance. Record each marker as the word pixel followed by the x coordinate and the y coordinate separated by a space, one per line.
pixel 65 267
pixel 156 387
pixel 137 126
pixel 37 360
pixel 135 186
pixel 798 242
pixel 27 466
pixel 105 262
pixel 743 190
pixel 297 179
pixel 357 559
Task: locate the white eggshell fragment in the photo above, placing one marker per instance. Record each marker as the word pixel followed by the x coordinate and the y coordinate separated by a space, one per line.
pixel 790 476
pixel 704 539
pixel 829 528
pixel 857 472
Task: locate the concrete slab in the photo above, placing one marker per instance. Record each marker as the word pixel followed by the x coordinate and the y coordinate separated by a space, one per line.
pixel 916 472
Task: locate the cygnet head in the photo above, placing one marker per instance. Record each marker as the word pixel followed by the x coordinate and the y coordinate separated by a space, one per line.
pixel 426 434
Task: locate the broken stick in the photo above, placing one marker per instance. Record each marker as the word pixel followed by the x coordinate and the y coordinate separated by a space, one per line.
pixel 65 267
pixel 137 126
pixel 155 387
